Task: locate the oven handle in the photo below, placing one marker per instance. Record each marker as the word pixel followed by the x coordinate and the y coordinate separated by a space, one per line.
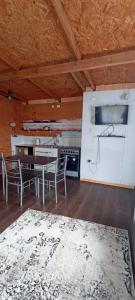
pixel 72 159
pixel 71 155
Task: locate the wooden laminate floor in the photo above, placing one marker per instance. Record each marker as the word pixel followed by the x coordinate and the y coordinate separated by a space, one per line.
pixel 92 202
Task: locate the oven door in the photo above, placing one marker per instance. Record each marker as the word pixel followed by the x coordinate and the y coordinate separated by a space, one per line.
pixel 73 165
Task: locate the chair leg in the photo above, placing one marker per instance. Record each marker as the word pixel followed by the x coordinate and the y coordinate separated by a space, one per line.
pixel 6 190
pixel 43 186
pixel 3 183
pixel 49 187
pixel 65 185
pixel 18 188
pixel 56 194
pixel 21 194
pixel 36 192
pixel 47 184
pixel 38 187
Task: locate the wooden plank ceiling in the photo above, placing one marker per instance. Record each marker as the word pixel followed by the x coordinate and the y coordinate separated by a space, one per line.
pixel 78 40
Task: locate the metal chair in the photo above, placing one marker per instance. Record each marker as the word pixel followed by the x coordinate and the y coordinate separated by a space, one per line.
pixel 55 173
pixel 18 177
pixel 3 173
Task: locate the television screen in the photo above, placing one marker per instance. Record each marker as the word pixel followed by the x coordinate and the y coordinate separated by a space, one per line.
pixel 111 114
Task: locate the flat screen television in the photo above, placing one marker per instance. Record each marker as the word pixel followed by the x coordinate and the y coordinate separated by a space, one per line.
pixel 111 114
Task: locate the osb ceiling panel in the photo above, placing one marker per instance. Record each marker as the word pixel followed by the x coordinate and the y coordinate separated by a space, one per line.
pixel 25 89
pixel 31 35
pixel 3 66
pixel 30 31
pixel 62 85
pixel 119 74
pixel 102 24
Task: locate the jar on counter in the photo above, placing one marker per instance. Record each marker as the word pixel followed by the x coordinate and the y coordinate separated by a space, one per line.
pixel 37 141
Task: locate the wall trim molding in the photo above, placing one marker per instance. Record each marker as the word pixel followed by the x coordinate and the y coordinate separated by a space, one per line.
pixel 125 186
pixel 62 100
pixel 110 87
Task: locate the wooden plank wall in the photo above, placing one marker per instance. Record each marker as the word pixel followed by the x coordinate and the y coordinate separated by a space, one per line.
pixel 6 116
pixel 6 113
pixel 37 112
pixel 66 110
pixel 14 112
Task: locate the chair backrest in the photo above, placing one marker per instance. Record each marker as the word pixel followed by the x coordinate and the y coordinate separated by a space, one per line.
pixel 61 165
pixel 12 169
pixel 1 156
pixel 1 163
pixel 58 166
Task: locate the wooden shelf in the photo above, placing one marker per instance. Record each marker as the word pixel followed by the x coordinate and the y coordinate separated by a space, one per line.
pixel 111 136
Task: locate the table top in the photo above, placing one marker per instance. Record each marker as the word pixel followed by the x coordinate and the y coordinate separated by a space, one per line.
pixel 32 159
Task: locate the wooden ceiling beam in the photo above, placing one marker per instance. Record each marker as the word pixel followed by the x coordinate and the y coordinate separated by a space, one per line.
pixel 89 79
pixel 10 65
pixel 78 81
pixel 49 93
pixel 65 99
pixel 45 90
pixel 65 23
pixel 109 60
pixel 6 61
pixel 17 95
pixel 114 86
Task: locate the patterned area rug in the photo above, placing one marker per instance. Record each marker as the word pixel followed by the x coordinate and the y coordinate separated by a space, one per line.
pixel 45 256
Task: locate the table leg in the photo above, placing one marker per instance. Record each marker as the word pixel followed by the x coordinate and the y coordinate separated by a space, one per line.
pixel 43 184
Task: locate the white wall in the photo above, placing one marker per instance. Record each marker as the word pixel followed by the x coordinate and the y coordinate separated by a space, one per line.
pixel 117 155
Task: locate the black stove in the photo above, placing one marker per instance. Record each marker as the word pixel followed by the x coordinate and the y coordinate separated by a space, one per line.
pixel 73 160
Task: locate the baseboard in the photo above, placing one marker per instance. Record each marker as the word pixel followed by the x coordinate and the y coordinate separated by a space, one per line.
pixel 125 186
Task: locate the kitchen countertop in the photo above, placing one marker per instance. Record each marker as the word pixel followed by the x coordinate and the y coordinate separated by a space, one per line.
pixel 39 146
pixel 46 146
pixel 25 145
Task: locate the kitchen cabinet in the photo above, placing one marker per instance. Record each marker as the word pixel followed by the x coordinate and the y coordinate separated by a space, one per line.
pixel 22 150
pixel 48 152
pixel 44 151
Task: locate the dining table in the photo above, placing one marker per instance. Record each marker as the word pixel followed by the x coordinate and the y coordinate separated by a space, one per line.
pixel 38 161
